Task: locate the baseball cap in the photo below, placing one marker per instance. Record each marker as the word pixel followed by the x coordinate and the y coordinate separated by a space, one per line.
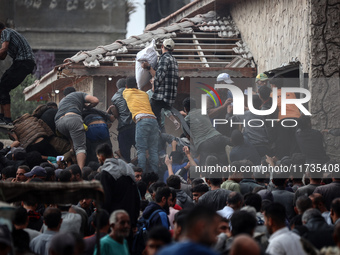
pixel 169 44
pixel 261 77
pixel 224 77
pixel 37 170
pixel 5 235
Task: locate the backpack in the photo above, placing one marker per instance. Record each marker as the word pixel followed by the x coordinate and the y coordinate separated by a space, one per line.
pixel 140 238
pixel 39 110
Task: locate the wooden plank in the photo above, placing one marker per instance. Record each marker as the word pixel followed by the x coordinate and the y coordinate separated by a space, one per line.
pixel 207 39
pixel 199 52
pixel 181 62
pixel 178 55
pixel 205 44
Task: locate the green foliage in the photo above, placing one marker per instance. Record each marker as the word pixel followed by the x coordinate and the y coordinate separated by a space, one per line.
pixel 18 104
pixel 130 9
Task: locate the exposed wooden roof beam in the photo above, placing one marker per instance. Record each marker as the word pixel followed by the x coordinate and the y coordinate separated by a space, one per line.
pixel 178 55
pixel 200 52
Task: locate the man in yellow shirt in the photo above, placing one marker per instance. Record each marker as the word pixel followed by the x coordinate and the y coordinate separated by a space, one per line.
pixel 147 132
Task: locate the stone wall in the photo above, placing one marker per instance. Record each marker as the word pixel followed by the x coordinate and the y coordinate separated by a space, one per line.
pixel 307 31
pixel 276 32
pixel 85 86
pixel 324 73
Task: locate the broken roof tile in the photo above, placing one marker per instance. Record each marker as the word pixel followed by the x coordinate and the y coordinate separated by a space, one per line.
pixel 205 36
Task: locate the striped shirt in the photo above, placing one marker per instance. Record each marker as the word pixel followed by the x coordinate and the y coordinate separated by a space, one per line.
pixel 166 79
pixel 18 48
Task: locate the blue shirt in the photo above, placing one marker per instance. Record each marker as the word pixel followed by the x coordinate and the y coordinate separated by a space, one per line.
pixel 160 218
pixel 175 168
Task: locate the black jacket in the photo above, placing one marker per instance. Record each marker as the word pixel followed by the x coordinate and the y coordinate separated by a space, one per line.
pixel 121 194
pixel 311 144
pixel 317 232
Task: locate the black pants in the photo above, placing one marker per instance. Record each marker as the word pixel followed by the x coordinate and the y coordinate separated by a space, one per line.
pixel 157 106
pixel 126 139
pixel 43 147
pixel 214 146
pixel 263 150
pixel 13 77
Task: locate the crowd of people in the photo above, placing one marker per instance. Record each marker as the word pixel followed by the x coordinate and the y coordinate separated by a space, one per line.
pixel 153 204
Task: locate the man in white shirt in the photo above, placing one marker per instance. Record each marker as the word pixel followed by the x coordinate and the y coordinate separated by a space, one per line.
pixel 282 241
pixel 235 202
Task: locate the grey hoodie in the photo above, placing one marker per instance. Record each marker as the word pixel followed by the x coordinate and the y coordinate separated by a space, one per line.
pixel 118 168
pixel 183 200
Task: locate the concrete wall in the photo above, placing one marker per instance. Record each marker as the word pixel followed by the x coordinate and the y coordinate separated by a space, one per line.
pixel 324 73
pixel 67 25
pixel 307 31
pixel 6 11
pixel 276 32
pixel 85 86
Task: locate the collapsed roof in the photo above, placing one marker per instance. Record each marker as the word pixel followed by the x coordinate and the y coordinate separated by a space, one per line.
pixel 205 45
pixel 204 41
